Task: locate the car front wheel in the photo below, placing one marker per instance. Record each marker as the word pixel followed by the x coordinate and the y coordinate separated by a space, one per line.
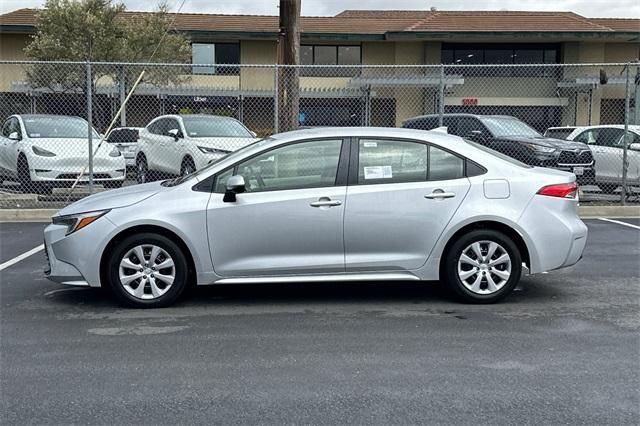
pixel 483 266
pixel 142 171
pixel 147 271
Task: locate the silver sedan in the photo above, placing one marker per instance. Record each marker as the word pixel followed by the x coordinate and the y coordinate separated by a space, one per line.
pixel 330 204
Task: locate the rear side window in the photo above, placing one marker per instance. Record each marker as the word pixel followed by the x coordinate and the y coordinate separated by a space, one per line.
pixel 390 161
pixel 444 165
pixel 426 123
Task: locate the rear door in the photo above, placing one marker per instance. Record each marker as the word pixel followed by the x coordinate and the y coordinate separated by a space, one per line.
pixel 603 142
pixel 401 195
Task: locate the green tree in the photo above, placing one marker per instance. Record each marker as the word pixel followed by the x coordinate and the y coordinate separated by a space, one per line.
pixel 102 31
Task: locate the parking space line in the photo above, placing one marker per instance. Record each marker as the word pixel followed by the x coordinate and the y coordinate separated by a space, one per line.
pixel 619 222
pixel 23 256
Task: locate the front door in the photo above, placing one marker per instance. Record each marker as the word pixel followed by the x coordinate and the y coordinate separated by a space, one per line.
pixel 289 220
pixel 399 201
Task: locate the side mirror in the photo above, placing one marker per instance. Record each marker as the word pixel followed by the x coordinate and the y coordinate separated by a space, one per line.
pixel 634 146
pixel 175 133
pixel 14 136
pixel 235 185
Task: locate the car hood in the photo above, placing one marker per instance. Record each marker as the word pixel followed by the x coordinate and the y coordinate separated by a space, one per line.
pixel 115 198
pixel 227 144
pixel 548 142
pixel 71 147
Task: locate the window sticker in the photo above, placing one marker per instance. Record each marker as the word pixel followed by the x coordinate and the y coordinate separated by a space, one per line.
pixel 370 144
pixel 378 172
pixel 34 135
pixel 193 133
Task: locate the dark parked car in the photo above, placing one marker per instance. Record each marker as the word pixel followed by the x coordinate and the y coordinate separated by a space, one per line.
pixel 516 139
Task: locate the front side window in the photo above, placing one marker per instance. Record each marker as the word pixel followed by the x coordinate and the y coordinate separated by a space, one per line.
pixel 312 164
pixel 469 127
pixel 601 137
pixel 388 161
pixel 221 181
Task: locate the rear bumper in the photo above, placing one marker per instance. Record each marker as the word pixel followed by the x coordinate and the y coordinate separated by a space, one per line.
pixel 557 234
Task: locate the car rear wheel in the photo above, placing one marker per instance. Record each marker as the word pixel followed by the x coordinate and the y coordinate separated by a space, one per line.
pixel 483 266
pixel 147 271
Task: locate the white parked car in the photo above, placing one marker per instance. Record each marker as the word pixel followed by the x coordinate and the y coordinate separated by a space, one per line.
pixel 607 143
pixel 41 151
pixel 182 144
pixel 126 140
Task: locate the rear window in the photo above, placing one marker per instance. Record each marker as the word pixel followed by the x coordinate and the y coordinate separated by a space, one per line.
pixel 559 133
pixel 421 123
pixel 123 136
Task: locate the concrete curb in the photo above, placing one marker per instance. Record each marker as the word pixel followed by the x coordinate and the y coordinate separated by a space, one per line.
pixel 586 212
pixel 27 215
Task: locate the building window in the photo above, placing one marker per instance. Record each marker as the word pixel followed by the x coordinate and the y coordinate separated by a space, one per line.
pixel 502 54
pixel 330 55
pixel 215 53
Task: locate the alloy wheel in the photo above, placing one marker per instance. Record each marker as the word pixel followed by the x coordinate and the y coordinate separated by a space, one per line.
pixel 147 272
pixel 484 267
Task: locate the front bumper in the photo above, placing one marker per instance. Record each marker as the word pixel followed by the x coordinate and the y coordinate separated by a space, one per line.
pixel 74 259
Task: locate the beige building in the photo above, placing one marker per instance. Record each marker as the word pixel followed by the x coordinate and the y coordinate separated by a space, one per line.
pixel 543 95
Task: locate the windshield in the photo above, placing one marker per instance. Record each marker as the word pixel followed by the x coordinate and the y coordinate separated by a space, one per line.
pixel 57 127
pixel 559 133
pixel 503 126
pixel 498 154
pixel 214 127
pixel 235 154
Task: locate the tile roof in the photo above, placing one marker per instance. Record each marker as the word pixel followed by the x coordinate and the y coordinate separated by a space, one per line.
pixel 384 21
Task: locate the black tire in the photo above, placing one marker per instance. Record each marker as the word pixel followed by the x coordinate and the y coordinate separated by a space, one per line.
pixel 608 188
pixel 181 271
pixel 24 178
pixel 142 170
pixel 113 184
pixel 187 167
pixel 449 271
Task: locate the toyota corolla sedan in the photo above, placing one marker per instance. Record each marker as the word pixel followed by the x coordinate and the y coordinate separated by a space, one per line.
pixel 42 151
pixel 329 204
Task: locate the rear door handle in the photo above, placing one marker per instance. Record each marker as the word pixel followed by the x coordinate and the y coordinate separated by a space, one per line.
pixel 438 195
pixel 325 203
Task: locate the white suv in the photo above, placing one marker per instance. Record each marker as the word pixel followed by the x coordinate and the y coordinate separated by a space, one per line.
pixel 182 144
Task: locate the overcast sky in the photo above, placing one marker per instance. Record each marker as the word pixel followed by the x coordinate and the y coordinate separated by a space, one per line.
pixel 590 8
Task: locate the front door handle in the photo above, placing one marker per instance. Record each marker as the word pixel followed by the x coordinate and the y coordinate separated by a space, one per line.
pixel 325 202
pixel 440 195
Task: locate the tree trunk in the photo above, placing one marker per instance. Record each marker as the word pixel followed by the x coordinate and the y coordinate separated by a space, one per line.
pixel 288 54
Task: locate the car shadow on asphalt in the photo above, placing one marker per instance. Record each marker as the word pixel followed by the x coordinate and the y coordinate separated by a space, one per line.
pixel 333 293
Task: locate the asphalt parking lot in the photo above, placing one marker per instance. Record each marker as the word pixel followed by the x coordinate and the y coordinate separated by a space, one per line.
pixel 563 349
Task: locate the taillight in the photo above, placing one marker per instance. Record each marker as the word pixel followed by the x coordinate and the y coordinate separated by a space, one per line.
pixel 561 190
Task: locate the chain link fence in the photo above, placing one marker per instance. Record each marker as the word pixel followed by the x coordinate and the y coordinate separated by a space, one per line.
pixel 67 131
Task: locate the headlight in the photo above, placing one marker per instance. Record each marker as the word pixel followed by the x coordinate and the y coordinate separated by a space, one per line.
pixel 75 222
pixel 42 152
pixel 540 148
pixel 207 150
pixel 115 152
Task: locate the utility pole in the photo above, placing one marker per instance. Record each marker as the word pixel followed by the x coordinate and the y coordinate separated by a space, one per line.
pixel 288 90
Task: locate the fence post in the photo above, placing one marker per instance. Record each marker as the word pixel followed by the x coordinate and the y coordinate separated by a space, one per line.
pixel 627 95
pixel 441 97
pixel 90 124
pixel 275 98
pixel 122 92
